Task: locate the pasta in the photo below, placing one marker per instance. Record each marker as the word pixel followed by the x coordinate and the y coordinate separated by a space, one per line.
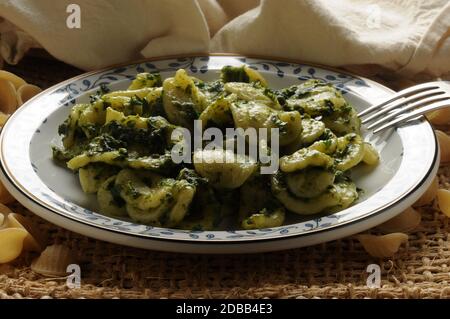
pixel 429 195
pixel 26 92
pixel 382 246
pixel 14 91
pixel 443 197
pixel 8 99
pixel 12 243
pixel 439 117
pixel 17 233
pixel 257 207
pixel 4 211
pixel 53 261
pixel 5 196
pixel 336 196
pixel 34 240
pixel 15 80
pixel 404 222
pixel 223 169
pixel 444 146
pixel 121 143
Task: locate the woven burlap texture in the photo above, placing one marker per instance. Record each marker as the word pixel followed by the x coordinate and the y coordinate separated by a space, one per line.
pixel 337 269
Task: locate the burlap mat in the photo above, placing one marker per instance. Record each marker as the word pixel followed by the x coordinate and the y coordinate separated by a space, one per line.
pixel 336 269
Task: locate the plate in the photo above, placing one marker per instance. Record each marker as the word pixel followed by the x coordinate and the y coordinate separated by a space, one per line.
pixel 409 162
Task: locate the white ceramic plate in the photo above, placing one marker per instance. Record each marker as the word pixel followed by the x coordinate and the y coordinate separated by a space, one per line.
pixel 408 164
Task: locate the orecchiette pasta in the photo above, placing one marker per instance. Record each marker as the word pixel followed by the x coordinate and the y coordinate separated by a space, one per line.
pixel 208 210
pixel 109 199
pixel 183 100
pixel 217 114
pixel 350 151
pixel 242 74
pixel 371 156
pixel 224 169
pixel 145 80
pixel 264 219
pixel 258 208
pixel 343 122
pixel 314 98
pixel 327 143
pixel 120 144
pixel 312 130
pixel 309 182
pixel 257 115
pixel 304 158
pixel 251 93
pixel 153 199
pixel 338 196
pixel 93 176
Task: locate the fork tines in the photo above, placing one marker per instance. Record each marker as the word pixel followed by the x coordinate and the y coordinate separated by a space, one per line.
pixel 406 105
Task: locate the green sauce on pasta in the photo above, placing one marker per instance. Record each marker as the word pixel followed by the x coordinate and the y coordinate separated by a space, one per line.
pixel 120 146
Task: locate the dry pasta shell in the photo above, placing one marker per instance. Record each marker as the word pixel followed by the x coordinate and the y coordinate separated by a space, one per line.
pixel 443 197
pixel 8 99
pixel 26 92
pixel 439 117
pixel 3 118
pixel 34 240
pixel 15 80
pixel 429 195
pixel 11 240
pixel 382 246
pixel 2 219
pixel 5 196
pixel 444 146
pixel 53 261
pixel 4 211
pixel 404 222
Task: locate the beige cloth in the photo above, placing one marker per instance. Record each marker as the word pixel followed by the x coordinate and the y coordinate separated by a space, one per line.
pixel 408 36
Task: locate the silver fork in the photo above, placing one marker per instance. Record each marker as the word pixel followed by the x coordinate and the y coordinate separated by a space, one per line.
pixel 406 105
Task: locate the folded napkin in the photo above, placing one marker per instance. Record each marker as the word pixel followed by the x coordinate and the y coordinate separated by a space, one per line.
pixel 407 36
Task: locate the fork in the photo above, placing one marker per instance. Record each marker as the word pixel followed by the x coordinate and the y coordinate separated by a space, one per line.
pixel 405 105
